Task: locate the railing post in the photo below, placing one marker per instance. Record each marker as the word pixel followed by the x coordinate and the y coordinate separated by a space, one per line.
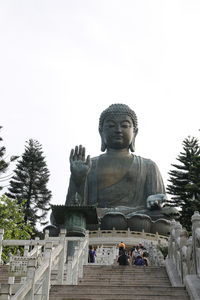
pixel 113 231
pixel 62 257
pixel 75 270
pixel 183 242
pixel 85 262
pixel 1 244
pixel 26 250
pixel 37 246
pixel 69 270
pixel 31 267
pixel 46 234
pixel 157 236
pixel 99 232
pixel 80 264
pixel 46 283
pixel 171 239
pixel 195 225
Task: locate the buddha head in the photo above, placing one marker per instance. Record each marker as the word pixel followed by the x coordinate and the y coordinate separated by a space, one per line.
pixel 118 127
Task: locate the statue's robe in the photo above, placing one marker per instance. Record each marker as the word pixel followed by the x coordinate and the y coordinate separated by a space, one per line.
pixel 141 180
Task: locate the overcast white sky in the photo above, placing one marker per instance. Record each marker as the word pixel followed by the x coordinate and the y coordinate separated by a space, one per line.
pixel 63 62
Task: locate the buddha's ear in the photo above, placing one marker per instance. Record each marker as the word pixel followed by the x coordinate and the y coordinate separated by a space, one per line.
pixel 103 145
pixel 132 145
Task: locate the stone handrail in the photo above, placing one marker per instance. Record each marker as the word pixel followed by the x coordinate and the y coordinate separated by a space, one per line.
pixel 38 277
pixel 183 261
pixel 36 266
pixel 155 256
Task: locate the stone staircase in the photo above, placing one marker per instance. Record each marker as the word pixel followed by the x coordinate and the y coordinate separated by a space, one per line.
pixel 4 275
pixel 120 282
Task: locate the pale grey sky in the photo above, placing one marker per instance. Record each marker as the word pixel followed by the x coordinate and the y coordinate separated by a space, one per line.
pixel 63 62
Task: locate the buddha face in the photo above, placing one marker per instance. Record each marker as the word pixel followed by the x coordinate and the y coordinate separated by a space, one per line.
pixel 118 131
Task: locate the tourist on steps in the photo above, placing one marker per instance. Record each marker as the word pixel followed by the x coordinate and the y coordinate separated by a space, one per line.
pixel 122 247
pixel 139 261
pixel 123 259
pixel 91 255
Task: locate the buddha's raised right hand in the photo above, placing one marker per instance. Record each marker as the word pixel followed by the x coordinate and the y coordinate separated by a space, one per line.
pixel 79 166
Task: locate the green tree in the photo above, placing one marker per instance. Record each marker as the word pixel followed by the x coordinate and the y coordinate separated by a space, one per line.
pixel 30 183
pixel 12 221
pixel 185 181
pixel 4 163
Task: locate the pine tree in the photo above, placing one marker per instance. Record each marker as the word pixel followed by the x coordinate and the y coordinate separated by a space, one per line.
pixel 185 181
pixel 4 163
pixel 30 184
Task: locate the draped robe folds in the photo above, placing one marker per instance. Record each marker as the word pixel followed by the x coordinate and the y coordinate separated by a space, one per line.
pixel 141 180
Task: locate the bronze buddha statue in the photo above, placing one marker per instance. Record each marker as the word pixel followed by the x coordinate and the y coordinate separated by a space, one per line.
pixel 117 181
pixel 117 177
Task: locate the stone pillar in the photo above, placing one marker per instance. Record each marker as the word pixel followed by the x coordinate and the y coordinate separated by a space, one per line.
pixel 69 270
pixel 31 267
pixel 183 242
pixel 46 234
pixel 46 283
pixel 1 243
pixel 26 250
pixel 63 256
pixel 171 237
pixel 195 225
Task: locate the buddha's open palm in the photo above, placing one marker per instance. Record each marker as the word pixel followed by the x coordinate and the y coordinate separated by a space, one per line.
pixel 79 166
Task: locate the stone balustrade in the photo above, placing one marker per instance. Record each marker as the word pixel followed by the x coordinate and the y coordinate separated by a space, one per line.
pixel 183 261
pixel 129 237
pixel 106 255
pixel 40 259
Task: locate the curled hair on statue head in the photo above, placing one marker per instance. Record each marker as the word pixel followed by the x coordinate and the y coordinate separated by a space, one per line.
pixel 118 109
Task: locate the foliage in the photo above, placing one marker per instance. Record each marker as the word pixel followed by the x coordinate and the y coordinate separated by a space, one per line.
pixel 30 183
pixel 4 164
pixel 185 181
pixel 163 250
pixel 12 221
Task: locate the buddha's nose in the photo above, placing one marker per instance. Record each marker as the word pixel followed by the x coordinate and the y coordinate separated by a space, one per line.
pixel 118 128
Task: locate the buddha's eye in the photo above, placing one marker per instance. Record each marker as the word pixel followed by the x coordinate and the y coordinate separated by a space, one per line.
pixel 125 125
pixel 111 125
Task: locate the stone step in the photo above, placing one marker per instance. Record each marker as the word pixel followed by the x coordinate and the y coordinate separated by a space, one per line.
pixel 122 297
pixel 125 284
pixel 131 280
pixel 4 275
pixel 111 267
pixel 132 275
pixel 116 289
pixel 97 294
pixel 125 270
pixel 120 282
pixel 142 270
pixel 123 277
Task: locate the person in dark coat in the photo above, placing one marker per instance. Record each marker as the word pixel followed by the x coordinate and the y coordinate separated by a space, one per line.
pixel 91 255
pixel 123 259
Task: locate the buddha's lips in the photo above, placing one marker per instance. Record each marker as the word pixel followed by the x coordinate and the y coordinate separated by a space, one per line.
pixel 118 137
